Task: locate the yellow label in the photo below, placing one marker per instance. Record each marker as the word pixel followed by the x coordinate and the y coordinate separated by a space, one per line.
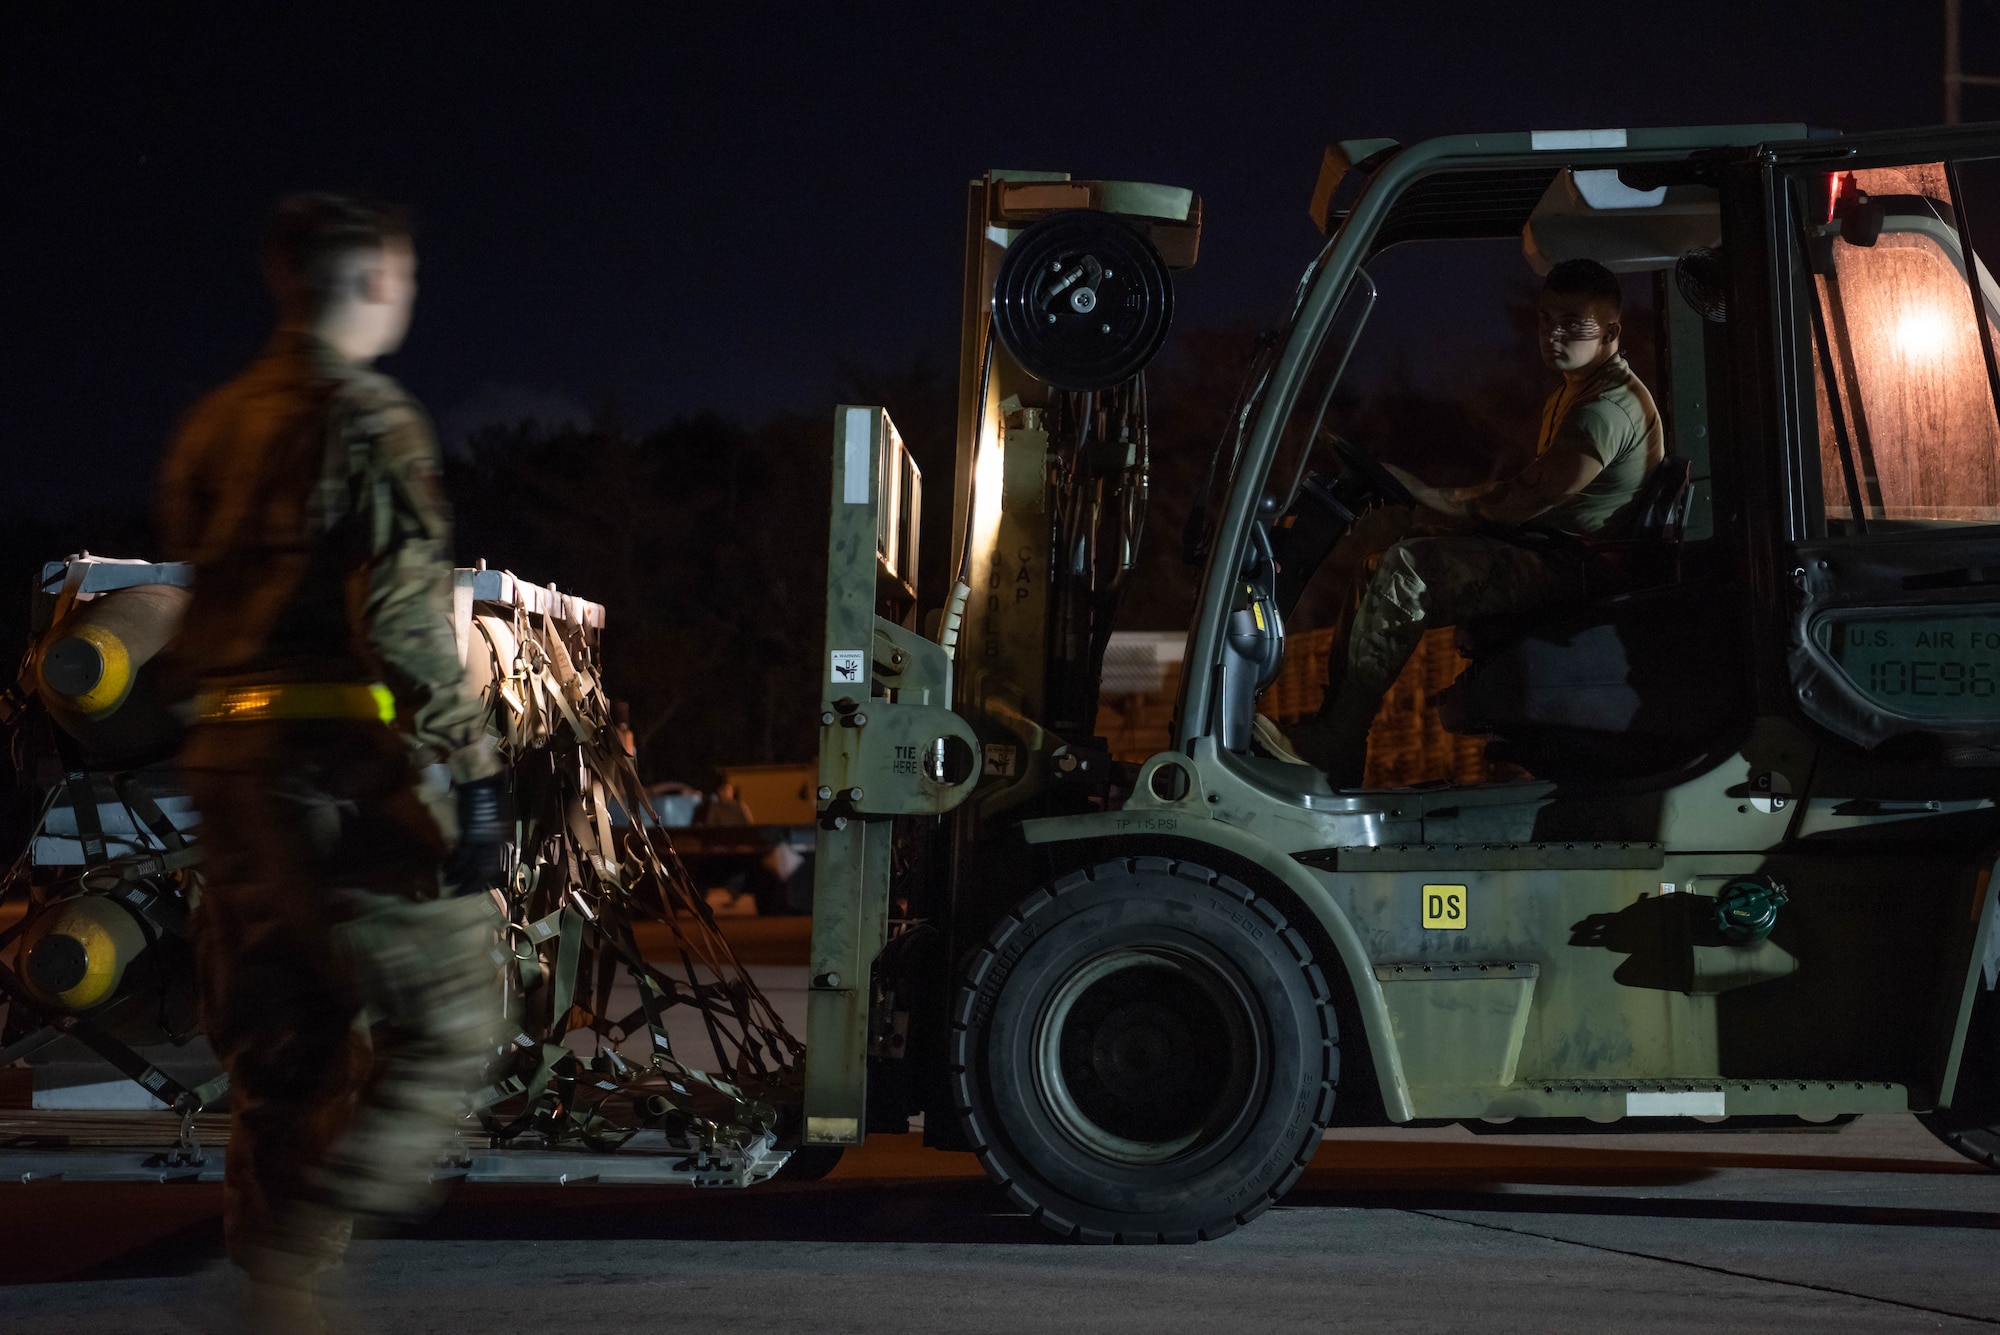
pixel 1444 906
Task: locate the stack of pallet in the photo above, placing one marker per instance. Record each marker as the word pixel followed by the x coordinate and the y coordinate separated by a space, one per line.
pixel 1137 725
pixel 1301 678
pixel 1408 744
pixel 1136 693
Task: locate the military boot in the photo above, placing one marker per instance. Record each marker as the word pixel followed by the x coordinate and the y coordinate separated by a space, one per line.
pixel 1335 740
pixel 284 1268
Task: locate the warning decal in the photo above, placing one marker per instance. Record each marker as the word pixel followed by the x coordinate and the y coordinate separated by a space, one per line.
pixel 848 666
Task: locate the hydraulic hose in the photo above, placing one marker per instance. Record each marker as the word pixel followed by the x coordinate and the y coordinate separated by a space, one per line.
pixel 961 590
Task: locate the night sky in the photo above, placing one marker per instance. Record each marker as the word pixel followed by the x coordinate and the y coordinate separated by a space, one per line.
pixel 648 209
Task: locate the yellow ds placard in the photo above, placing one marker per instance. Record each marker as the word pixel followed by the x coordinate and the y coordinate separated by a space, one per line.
pixel 1444 906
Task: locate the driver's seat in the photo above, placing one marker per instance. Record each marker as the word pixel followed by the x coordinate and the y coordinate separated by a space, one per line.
pixel 1663 501
pixel 1645 554
pixel 1625 679
pixel 1648 553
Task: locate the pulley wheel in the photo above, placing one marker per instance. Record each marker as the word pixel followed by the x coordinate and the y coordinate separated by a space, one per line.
pixel 1082 301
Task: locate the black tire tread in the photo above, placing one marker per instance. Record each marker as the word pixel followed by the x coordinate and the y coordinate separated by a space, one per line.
pixel 1972 1125
pixel 1981 1144
pixel 960 1065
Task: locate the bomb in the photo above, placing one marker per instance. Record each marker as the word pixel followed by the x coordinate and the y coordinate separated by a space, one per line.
pixel 120 957
pixel 100 673
pixel 75 954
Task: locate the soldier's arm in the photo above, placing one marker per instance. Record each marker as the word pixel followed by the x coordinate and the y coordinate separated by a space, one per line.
pixel 1583 445
pixel 1456 501
pixel 408 599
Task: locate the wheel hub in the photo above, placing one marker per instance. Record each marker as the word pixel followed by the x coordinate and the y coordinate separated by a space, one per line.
pixel 1146 1054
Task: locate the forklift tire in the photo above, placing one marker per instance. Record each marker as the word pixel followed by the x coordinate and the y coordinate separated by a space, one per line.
pixel 1981 1144
pixel 1972 1124
pixel 1144 1052
pixel 809 1163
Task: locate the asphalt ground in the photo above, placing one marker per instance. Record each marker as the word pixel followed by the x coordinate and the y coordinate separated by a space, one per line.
pixel 1876 1227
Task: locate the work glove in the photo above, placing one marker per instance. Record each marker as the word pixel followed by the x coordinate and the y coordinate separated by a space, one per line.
pixel 485 824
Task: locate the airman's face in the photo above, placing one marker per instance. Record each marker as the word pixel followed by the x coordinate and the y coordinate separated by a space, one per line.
pixel 1576 331
pixel 370 311
pixel 394 284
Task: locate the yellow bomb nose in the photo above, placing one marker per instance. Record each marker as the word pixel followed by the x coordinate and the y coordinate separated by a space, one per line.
pixel 91 668
pixel 75 955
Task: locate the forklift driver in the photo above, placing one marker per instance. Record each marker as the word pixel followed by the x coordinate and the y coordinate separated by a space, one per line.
pixel 1471 552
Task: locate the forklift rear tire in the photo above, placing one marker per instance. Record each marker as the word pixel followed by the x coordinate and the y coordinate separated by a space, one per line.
pixel 1144 1052
pixel 1972 1124
pixel 1977 1142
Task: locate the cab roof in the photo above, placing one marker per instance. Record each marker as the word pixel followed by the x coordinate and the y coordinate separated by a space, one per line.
pixel 1489 184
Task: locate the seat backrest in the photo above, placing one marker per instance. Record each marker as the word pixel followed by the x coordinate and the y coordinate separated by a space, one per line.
pixel 1663 499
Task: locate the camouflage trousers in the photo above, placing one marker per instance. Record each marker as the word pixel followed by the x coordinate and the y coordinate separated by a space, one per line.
pixel 352 1007
pixel 1406 572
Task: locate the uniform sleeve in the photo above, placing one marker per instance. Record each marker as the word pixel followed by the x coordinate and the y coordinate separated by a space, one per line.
pixel 408 597
pixel 1596 430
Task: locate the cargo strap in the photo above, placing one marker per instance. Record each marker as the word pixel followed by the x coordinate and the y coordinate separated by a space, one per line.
pixel 113 1050
pixel 89 832
pixel 147 812
pixel 297 700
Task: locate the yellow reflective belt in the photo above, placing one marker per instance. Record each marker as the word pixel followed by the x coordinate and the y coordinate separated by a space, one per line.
pixel 297 700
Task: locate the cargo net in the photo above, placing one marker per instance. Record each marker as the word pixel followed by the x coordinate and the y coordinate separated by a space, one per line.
pixel 592 867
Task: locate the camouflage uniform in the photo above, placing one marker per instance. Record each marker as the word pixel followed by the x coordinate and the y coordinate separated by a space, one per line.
pixel 306 495
pixel 1406 571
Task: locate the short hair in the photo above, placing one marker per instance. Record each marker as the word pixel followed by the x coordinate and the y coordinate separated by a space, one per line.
pixel 1586 278
pixel 311 237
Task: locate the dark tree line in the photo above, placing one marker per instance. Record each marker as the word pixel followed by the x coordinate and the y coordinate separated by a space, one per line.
pixel 705 539
pixel 706 542
pixel 702 539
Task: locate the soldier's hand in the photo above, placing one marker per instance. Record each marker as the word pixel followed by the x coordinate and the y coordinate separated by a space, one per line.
pixel 485 824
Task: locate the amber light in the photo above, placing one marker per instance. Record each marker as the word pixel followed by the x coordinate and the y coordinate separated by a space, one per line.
pixel 1924 334
pixel 1913 373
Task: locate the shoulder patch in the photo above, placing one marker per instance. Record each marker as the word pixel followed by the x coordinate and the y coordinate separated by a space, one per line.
pixel 373 404
pixel 373 390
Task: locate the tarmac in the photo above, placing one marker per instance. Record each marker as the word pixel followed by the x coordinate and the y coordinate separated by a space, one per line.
pixel 1877 1227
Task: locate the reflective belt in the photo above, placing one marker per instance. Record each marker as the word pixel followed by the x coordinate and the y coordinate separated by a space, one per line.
pixel 297 700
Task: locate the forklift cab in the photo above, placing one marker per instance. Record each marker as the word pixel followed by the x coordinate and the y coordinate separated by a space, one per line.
pixel 1772 267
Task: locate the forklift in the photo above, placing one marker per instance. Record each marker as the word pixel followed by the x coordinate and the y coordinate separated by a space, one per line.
pixel 1732 868
pixel 1736 872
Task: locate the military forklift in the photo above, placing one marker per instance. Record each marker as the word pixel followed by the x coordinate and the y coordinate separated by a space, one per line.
pixel 1731 870
pixel 1736 872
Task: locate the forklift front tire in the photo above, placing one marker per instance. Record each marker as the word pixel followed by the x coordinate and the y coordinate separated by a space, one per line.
pixel 1144 1052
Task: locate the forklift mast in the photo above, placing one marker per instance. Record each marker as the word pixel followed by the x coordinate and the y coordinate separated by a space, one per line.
pixel 1068 295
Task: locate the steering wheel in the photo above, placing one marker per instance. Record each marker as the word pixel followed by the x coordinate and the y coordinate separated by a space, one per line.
pixel 1373 477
